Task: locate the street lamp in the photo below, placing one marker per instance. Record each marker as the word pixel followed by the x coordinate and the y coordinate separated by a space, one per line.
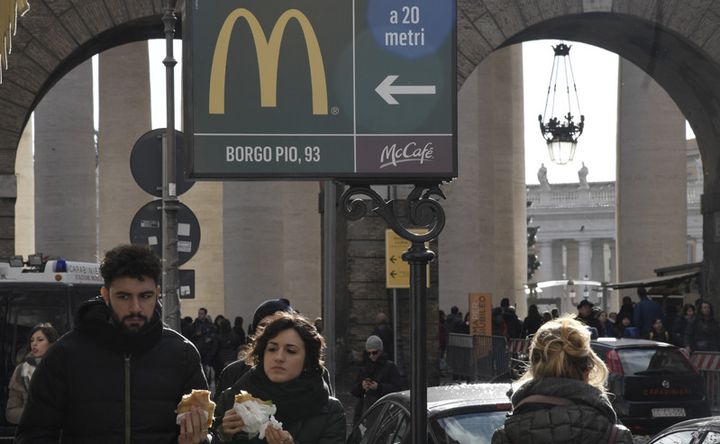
pixel 561 134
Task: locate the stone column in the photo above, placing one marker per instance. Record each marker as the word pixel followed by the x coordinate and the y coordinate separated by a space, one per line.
pixel 483 246
pixel 124 117
pixel 651 177
pixel 272 246
pixel 699 250
pixel 66 168
pixel 584 259
pixel 597 268
pixel 545 272
pixel 25 204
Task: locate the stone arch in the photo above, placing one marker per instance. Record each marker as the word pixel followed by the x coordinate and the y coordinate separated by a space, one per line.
pixel 52 38
pixel 675 42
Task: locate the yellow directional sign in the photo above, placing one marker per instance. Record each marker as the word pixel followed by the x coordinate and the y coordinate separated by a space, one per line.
pixel 397 271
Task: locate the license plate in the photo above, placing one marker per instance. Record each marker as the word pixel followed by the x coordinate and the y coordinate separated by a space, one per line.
pixel 665 413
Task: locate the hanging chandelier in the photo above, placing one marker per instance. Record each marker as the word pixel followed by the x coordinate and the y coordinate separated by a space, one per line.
pixel 561 134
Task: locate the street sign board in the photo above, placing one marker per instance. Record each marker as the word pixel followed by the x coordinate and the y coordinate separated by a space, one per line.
pixel 146 229
pixel 357 89
pixel 146 163
pixel 397 271
pixel 480 309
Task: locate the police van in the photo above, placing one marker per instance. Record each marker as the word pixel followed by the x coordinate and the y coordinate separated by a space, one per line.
pixel 32 292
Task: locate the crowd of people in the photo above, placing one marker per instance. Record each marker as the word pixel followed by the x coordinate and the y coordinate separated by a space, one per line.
pixel 121 373
pixel 694 328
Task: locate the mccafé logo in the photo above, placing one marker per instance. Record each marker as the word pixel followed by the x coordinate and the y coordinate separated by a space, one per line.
pixel 268 52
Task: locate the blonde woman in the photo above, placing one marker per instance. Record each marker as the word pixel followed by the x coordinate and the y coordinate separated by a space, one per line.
pixel 561 398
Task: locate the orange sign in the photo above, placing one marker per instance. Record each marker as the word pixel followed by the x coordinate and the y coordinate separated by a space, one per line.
pixel 480 309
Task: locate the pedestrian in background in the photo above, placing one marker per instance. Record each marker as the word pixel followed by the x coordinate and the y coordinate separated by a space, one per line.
pixel 532 321
pixel 240 330
pixel 117 360
pixel 586 315
pixel 658 332
pixel 228 344
pixel 562 397
pixel 42 336
pixel 703 333
pixel 687 314
pixel 645 313
pixel 383 329
pixel 287 368
pixel 627 308
pixel 377 377
pixel 204 340
pixel 606 327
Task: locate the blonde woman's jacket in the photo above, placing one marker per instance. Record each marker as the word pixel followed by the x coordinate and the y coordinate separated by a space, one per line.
pixel 584 415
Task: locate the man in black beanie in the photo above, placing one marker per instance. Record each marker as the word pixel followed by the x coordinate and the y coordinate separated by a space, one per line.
pixel 268 308
pixel 263 315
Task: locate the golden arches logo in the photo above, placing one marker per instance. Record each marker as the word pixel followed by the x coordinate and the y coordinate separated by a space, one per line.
pixel 268 53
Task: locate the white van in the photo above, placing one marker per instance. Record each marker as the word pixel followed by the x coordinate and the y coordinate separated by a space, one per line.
pixel 48 291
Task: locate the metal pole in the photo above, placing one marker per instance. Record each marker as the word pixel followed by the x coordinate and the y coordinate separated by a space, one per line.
pixel 418 257
pixel 170 274
pixel 329 275
pixel 396 330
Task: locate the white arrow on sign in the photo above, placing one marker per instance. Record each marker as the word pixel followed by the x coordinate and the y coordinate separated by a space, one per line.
pixel 386 89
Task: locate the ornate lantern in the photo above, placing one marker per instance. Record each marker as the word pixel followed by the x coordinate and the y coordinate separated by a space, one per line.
pixel 561 134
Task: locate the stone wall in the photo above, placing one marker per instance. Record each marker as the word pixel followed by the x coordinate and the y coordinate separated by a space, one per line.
pixel 363 261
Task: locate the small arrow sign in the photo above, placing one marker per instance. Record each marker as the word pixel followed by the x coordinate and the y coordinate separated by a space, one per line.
pixel 393 259
pixel 386 89
pixel 393 274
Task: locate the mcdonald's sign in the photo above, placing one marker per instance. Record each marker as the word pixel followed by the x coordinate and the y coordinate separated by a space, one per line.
pixel 319 89
pixel 268 55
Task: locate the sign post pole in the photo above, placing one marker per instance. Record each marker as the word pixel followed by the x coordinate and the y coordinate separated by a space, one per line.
pixel 423 211
pixel 170 273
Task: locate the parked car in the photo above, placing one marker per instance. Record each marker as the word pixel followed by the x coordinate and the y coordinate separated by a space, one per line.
pixel 459 414
pixel 693 431
pixel 653 385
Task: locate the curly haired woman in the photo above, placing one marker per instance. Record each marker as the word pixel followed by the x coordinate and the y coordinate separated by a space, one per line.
pixel 562 396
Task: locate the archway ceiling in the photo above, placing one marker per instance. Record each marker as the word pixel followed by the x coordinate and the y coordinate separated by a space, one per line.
pixel 680 53
pixel 52 38
pixel 676 43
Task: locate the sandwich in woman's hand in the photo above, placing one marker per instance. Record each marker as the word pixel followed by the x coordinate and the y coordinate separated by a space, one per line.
pixel 256 414
pixel 199 398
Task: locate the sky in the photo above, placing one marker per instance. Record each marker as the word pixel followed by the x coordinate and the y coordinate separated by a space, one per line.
pixel 595 72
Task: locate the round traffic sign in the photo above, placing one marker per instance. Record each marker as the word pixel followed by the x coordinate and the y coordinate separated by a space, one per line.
pixel 146 229
pixel 146 162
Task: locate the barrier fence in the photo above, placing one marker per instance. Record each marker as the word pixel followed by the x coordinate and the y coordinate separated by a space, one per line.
pixel 709 365
pixel 487 358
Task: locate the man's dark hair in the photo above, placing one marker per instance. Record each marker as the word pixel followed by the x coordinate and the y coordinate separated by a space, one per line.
pixel 454 309
pixel 135 261
pixel 505 302
pixel 642 292
pixel 203 309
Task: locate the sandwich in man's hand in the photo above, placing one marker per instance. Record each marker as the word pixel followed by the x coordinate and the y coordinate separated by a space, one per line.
pixel 199 398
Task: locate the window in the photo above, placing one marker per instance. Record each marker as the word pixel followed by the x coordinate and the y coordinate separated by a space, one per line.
pixel 681 437
pixel 653 360
pixel 360 434
pixel 394 426
pixel 470 428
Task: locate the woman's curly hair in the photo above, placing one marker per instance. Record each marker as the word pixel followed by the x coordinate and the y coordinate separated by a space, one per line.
pixel 561 349
pixel 314 342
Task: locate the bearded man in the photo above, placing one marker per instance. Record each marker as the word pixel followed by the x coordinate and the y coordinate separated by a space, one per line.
pixel 119 375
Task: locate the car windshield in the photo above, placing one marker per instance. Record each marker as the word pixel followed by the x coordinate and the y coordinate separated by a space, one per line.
pixel 470 428
pixel 645 361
